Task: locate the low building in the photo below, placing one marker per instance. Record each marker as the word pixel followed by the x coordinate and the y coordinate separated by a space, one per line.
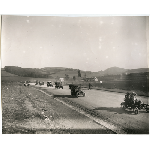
pixel 61 79
pixel 95 79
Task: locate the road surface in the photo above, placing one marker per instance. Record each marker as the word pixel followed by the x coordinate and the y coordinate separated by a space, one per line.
pixel 107 105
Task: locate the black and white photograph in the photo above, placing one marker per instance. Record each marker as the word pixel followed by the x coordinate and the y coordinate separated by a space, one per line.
pixel 72 74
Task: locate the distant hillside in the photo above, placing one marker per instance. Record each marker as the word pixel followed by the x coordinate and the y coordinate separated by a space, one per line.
pixel 139 70
pixel 114 71
pixel 26 72
pixel 57 72
pixel 119 71
pixel 6 74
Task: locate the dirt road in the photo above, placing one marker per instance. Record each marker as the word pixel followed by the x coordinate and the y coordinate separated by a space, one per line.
pixel 107 105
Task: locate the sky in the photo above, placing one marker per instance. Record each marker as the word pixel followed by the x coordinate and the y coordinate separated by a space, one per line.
pixel 87 43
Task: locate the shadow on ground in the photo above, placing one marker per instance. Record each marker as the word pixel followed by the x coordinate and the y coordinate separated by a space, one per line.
pixel 119 110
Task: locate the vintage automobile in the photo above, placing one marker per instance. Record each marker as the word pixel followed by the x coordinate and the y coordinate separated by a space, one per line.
pixel 49 84
pixel 58 85
pixel 76 91
pixel 41 83
pixel 26 83
pixel 131 102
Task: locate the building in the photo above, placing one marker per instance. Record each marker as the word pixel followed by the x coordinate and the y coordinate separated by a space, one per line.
pixel 61 79
pixel 95 79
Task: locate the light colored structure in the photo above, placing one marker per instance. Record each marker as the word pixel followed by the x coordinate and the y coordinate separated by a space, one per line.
pixel 61 79
pixel 95 79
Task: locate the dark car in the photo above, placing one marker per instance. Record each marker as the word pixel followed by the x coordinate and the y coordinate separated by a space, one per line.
pixel 131 102
pixel 26 83
pixel 58 85
pixel 49 84
pixel 76 91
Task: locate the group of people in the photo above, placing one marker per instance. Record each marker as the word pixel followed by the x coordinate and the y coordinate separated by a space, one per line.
pixel 130 99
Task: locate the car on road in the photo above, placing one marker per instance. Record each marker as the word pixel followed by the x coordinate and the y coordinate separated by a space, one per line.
pixel 26 83
pixel 130 102
pixel 58 85
pixel 49 84
pixel 76 91
pixel 41 83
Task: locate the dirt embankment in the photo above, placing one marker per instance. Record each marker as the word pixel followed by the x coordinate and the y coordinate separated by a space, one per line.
pixel 26 111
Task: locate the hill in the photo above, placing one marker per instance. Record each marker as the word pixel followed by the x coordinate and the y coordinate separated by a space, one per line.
pixel 119 71
pixel 139 70
pixel 6 74
pixel 114 71
pixel 57 72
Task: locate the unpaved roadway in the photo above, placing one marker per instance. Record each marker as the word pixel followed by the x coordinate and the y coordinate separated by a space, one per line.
pixel 107 105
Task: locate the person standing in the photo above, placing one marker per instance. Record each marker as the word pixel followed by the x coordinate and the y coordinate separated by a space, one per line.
pixel 90 86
